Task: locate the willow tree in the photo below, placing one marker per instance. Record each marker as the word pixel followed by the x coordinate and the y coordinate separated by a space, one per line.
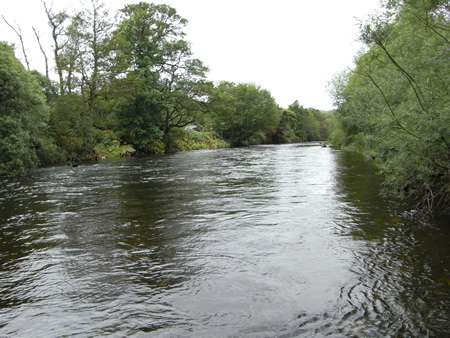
pixel 396 100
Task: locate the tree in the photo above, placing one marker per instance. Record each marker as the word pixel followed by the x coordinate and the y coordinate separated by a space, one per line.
pixel 82 51
pixel 72 128
pixel 395 104
pixel 244 114
pixel 184 92
pixel 165 84
pixel 95 63
pixel 302 115
pixel 23 116
pixel 310 123
pixel 284 132
pixel 56 23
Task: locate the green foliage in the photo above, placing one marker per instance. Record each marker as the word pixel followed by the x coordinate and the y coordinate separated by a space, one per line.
pixel 310 124
pixel 137 125
pixel 72 128
pixel 186 140
pixel 394 106
pixel 130 82
pixel 48 87
pixel 23 115
pixel 338 136
pixel 243 114
pixel 285 132
pixel 168 84
pixel 109 146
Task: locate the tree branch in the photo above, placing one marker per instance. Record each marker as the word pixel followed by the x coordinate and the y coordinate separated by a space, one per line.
pixel 19 34
pixel 418 93
pixel 427 24
pixel 390 108
pixel 42 50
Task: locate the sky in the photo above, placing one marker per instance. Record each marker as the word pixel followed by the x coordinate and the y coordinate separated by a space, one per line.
pixel 292 48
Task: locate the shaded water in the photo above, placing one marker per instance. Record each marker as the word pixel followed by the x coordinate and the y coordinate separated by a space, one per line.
pixel 273 241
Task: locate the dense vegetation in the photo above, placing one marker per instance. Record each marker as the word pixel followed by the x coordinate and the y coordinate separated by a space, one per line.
pixel 130 84
pixel 24 117
pixel 394 105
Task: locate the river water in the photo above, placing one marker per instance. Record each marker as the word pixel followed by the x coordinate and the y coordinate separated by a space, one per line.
pixel 265 241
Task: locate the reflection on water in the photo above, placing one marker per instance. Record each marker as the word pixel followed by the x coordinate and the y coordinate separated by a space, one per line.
pixel 401 267
pixel 261 241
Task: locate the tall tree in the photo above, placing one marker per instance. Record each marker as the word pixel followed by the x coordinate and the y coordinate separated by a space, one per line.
pixel 73 54
pixel 165 84
pixel 56 22
pixel 24 115
pixel 396 100
pixel 184 90
pixel 95 62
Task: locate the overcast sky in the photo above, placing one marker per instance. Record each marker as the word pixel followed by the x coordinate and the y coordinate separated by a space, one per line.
pixel 290 47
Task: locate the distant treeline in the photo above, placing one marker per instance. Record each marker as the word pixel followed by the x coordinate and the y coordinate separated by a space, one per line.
pixel 129 81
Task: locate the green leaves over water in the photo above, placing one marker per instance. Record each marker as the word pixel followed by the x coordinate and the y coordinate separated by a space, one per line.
pixel 394 105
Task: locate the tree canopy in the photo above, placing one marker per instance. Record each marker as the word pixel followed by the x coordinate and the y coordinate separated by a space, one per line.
pixel 24 115
pixel 128 83
pixel 244 114
pixel 394 106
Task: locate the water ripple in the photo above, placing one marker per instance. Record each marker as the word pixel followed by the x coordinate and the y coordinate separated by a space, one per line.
pixel 267 241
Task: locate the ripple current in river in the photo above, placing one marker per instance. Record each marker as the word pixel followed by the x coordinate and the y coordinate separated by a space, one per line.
pixel 288 240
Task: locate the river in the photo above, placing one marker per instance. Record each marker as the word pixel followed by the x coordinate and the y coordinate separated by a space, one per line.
pixel 264 241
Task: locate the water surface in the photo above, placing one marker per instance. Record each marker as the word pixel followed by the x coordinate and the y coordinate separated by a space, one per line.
pixel 266 241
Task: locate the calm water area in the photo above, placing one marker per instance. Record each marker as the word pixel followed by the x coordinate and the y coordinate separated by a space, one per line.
pixel 265 241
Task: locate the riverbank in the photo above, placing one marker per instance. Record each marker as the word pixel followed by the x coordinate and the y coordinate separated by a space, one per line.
pixel 183 140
